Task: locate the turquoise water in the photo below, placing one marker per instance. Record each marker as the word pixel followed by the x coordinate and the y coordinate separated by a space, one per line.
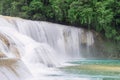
pixel 97 62
pixel 94 69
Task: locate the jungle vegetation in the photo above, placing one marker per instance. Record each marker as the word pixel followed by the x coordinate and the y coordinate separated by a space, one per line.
pixel 102 16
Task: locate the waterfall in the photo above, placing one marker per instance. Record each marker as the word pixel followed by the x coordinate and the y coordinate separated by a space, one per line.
pixel 57 36
pixel 38 44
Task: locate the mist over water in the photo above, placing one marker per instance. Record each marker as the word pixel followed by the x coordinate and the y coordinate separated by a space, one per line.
pixel 41 47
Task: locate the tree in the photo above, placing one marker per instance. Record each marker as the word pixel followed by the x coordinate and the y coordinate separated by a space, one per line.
pixel 100 15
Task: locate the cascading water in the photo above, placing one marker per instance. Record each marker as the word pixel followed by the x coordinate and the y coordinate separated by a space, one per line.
pixel 57 36
pixel 41 46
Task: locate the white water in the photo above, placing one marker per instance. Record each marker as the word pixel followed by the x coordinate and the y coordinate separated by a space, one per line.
pixel 43 46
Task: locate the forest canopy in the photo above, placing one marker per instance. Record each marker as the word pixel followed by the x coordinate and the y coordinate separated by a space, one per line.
pixel 100 15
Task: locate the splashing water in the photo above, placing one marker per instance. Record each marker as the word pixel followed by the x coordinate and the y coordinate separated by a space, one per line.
pixel 42 47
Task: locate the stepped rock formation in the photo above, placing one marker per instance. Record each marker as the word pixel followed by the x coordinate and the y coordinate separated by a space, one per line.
pixel 25 45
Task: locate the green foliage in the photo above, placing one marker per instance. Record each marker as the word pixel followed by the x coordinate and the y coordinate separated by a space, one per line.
pixel 100 15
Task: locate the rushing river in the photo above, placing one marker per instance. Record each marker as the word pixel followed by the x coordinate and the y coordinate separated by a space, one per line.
pixel 37 50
